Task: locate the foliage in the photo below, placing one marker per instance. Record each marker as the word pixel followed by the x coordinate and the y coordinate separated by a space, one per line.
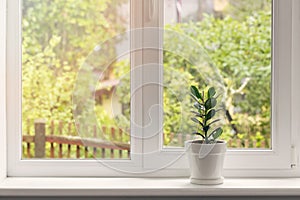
pixel 58 36
pixel 205 103
pixel 241 51
pixel 240 10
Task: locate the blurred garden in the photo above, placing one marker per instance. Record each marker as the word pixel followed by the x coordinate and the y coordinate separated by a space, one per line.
pixel 58 36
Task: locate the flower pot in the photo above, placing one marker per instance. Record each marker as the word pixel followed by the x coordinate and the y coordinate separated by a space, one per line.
pixel 206 161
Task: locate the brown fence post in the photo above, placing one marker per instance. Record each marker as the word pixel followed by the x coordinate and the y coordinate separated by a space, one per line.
pixel 39 138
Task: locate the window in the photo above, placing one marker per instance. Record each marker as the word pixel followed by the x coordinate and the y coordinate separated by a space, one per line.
pixel 146 105
pixel 70 67
pixel 66 81
pixel 234 55
pixel 278 157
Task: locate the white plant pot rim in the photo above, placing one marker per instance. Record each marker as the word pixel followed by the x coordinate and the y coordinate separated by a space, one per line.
pixel 218 142
pixel 217 148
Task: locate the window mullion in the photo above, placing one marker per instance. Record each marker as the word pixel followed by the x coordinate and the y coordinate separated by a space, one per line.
pixel 3 145
pixel 151 78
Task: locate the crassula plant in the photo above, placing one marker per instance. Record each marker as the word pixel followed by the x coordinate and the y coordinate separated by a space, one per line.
pixel 205 103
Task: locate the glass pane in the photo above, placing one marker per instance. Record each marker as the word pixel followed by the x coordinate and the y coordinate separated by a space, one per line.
pixel 75 89
pixel 225 44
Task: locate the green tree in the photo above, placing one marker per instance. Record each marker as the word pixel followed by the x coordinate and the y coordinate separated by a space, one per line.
pixel 241 50
pixel 57 37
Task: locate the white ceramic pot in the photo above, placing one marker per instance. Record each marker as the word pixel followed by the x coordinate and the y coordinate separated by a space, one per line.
pixel 206 162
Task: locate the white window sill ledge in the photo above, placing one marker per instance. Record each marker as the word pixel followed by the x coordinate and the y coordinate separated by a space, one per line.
pixel 146 187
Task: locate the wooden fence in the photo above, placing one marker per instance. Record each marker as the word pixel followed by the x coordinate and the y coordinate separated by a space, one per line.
pixel 50 142
pixel 43 145
pixel 178 140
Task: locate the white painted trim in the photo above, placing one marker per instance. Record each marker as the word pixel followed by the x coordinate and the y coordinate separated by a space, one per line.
pixel 3 155
pixel 146 187
pixel 33 167
pixel 248 161
pixel 89 168
pixel 295 79
pixel 13 82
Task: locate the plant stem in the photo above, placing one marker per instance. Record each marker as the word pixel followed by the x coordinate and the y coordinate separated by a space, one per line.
pixel 204 120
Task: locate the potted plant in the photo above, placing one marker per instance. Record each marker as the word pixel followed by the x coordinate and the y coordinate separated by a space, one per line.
pixel 206 155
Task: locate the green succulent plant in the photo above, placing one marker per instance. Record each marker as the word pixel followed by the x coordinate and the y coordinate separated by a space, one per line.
pixel 205 103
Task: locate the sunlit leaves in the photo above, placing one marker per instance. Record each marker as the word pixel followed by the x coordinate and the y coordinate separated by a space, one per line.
pixel 240 48
pixel 195 92
pixel 210 114
pixel 205 113
pixel 210 103
pixel 57 36
pixel 216 133
pixel 211 92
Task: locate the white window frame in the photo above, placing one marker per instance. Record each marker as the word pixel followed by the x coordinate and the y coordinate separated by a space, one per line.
pixel 242 162
pixel 3 133
pixel 276 162
pixel 35 167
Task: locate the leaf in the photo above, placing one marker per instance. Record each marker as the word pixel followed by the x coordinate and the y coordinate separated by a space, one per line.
pixel 216 133
pixel 211 92
pixel 210 114
pixel 197 121
pixel 210 103
pixel 195 98
pixel 197 114
pixel 213 122
pixel 198 106
pixel 195 92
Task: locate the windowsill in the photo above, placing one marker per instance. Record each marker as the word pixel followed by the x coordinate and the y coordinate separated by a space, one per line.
pixel 146 187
